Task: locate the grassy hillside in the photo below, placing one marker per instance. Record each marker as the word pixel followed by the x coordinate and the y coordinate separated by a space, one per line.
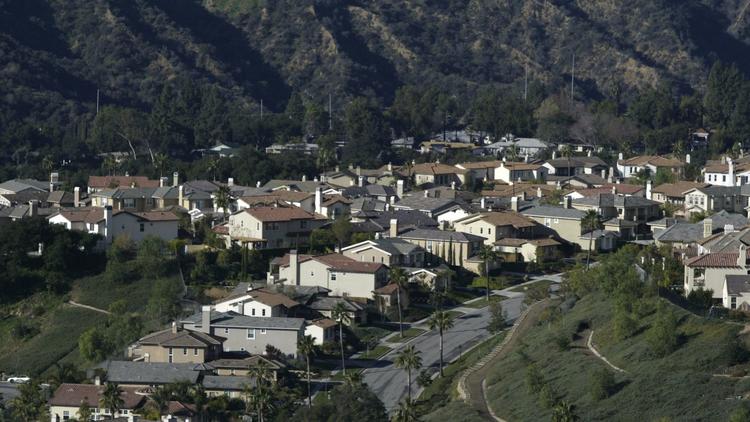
pixel 680 386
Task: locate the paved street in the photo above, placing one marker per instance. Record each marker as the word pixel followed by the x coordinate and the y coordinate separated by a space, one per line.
pixel 8 391
pixel 389 382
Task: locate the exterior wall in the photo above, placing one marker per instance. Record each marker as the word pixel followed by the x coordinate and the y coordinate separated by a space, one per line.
pixel 230 394
pixel 247 306
pixel 237 339
pixel 58 413
pixel 451 216
pixel 179 354
pixel 709 279
pixel 244 225
pixel 371 254
pixel 440 249
pixel 567 229
pixel 734 302
pixel 137 231
pixel 335 210
pixel 320 334
pixel 314 273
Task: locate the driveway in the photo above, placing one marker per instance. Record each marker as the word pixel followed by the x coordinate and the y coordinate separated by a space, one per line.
pixel 389 382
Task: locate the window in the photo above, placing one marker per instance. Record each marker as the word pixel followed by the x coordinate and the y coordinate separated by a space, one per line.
pixel 481 230
pixel 251 333
pixel 252 312
pixel 66 415
pixel 263 312
pixel 489 231
pixel 141 227
pixel 184 351
pixel 262 330
pixel 195 352
pixel 723 177
pixel 303 224
pixel 333 276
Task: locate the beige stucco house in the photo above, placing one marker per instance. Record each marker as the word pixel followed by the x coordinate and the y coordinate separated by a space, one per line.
pixel 272 227
pixel 708 271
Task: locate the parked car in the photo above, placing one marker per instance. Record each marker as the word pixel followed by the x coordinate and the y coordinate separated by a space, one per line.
pixel 19 379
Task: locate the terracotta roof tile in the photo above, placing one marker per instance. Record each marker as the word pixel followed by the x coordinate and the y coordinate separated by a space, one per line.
pixel 719 260
pixel 270 214
pixel 72 395
pixel 103 182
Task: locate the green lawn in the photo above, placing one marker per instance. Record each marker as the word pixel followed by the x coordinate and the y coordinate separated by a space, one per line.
pixel 481 303
pixel 439 402
pixel 408 335
pixel 454 314
pixel 461 296
pixel 521 289
pixel 376 352
pixel 680 386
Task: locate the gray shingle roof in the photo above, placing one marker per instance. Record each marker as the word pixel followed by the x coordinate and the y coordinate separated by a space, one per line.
pixel 431 205
pixel 233 319
pixel 441 235
pixel 150 373
pixel 395 246
pixel 611 200
pixel 556 212
pixel 19 185
pixel 328 303
pixel 737 284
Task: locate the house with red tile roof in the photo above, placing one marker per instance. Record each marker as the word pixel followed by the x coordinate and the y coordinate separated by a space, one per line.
pixel 708 271
pixel 342 275
pixel 630 167
pixel 272 227
pixel 68 398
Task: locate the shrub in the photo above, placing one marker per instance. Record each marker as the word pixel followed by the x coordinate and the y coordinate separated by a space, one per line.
pixel 562 340
pixel 23 329
pixel 534 379
pixel 624 324
pixel 663 337
pixel 602 384
pixel 547 396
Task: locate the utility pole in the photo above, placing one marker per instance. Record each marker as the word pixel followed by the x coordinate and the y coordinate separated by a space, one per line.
pixel 572 77
pixel 330 112
pixel 526 82
pixel 261 109
pixel 97 102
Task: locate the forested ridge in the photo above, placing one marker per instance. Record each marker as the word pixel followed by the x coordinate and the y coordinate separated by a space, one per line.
pixel 182 75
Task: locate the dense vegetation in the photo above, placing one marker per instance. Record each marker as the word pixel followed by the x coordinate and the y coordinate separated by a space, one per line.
pixel 662 349
pixel 176 78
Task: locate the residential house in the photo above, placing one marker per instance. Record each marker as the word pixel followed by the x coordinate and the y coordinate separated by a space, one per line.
pixel 511 172
pixel 177 345
pixel 480 170
pixel 711 199
pixel 454 248
pixel 446 148
pixel 342 275
pixel 566 223
pixel 99 183
pixel 674 193
pixel 578 146
pixel 293 148
pixel 262 302
pixel 438 174
pixel 303 200
pixel 380 192
pixel 151 374
pixel 577 165
pixel 68 398
pixel 629 168
pixel 120 199
pixel 323 306
pixel 516 189
pixel 632 209
pixel 728 172
pixel 708 271
pixel 736 292
pixel 385 175
pixel 683 234
pixel 390 296
pixel 391 252
pixel 527 250
pixel 523 146
pixel 248 334
pixel 135 225
pixel 272 227
pixel 493 226
pixel 379 223
pixel 624 189
pixel 433 278
pixel 244 366
pixel 322 330
pixel 444 210
pixel 233 387
pixel 335 206
pixel 15 186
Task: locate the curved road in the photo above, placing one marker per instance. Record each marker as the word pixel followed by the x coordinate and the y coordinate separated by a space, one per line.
pixel 389 382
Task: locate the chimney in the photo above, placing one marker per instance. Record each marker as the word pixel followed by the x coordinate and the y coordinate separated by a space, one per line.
pixel 554 154
pixel 230 181
pixel 648 189
pixel 731 171
pixel 40 248
pixel 687 158
pixel 523 196
pixel 359 171
pixel 589 153
pixel 206 319
pixel 708 227
pixel 514 204
pixel 319 200
pixel 97 380
pixel 360 181
pixel 76 196
pixel 174 327
pixel 568 202
pixel 294 267
pixel 539 192
pixel 482 203
pixel 163 181
pixel 304 178
pixel 742 257
pixel 400 188
pixel 393 200
pixel 604 174
pixel 426 193
pixel 241 308
pixel 526 158
pixel 180 194
pixel 338 169
pixel 390 167
pixel 33 208
pixel 54 179
pixel 453 185
pixel 175 178
pixel 315 179
pixel 611 177
pixel 257 184
pixel 619 157
pixel 393 229
pixel 614 190
pixel 108 223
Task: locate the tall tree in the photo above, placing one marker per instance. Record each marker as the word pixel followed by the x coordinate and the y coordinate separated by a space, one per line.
pixel 222 197
pixel 400 279
pixel 487 254
pixel 441 321
pixel 723 86
pixel 112 399
pixel 590 222
pixel 341 315
pixel 30 403
pixel 409 359
pixel 365 133
pixel 407 411
pixel 306 348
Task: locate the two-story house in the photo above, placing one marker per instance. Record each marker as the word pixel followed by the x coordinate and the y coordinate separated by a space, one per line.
pixel 391 252
pixel 566 224
pixel 109 224
pixel 342 275
pixel 257 302
pixel 177 345
pixel 494 226
pixel 708 271
pixel 438 174
pixel 713 199
pixel 249 334
pixel 444 210
pixel 627 215
pixel 674 193
pixel 630 167
pixel 576 165
pixel 727 172
pixel 68 399
pixel 453 248
pixel 272 227
pixel 509 172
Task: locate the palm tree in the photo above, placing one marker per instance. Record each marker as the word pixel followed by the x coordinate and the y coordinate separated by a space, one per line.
pixel 111 399
pixel 487 254
pixel 590 222
pixel 212 166
pixel 399 278
pixel 161 398
pixel 353 379
pixel 199 399
pixel 222 198
pixel 306 347
pixel 406 412
pixel 160 163
pixel 409 360
pixel 567 152
pixel 47 164
pixel 65 372
pixel 441 321
pixel 259 398
pixel 341 315
pixel 84 411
